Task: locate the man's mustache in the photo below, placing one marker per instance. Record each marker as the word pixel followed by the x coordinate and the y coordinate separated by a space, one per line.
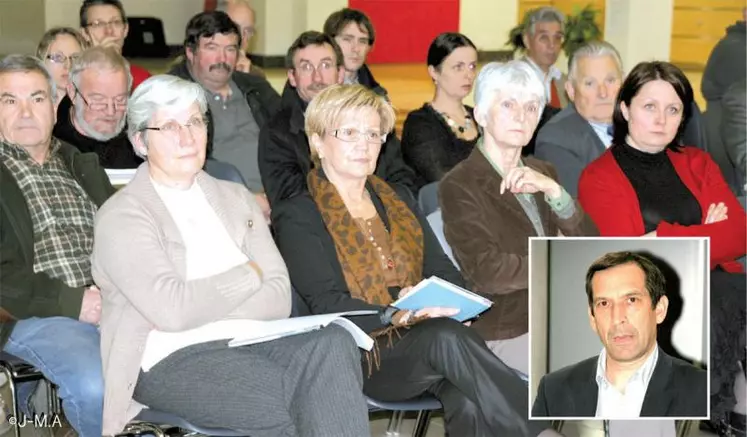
pixel 222 65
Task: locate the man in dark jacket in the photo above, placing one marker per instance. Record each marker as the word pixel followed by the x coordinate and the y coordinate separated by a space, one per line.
pixel 239 104
pixel 93 115
pixel 354 33
pixel 49 307
pixel 314 62
pixel 726 66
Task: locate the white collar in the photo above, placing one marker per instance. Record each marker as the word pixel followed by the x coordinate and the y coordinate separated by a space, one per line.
pixel 553 73
pixel 643 374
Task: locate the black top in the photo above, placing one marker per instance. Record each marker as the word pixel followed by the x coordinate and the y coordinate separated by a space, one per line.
pixel 315 271
pixel 114 153
pixel 430 146
pixel 285 157
pixel 662 195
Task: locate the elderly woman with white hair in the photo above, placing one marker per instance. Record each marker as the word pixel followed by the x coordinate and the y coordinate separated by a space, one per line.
pixel 494 200
pixel 355 242
pixel 175 250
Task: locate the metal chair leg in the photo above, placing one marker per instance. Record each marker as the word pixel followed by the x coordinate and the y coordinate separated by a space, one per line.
pixel 13 400
pixel 421 424
pixel 140 428
pixel 395 423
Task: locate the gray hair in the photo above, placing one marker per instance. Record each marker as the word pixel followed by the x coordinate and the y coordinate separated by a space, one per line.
pixel 158 92
pixel 593 49
pixel 546 14
pixel 99 57
pixel 28 63
pixel 513 75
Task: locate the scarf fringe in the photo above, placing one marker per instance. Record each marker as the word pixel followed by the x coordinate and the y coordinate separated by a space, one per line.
pixel 375 354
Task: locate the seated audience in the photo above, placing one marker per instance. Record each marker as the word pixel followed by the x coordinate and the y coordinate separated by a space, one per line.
pixel 57 48
pixel 443 132
pixel 49 307
pixel 203 253
pixel 92 116
pixel 241 13
pixel 542 38
pixel 648 184
pixel 354 33
pixel 239 104
pixel 314 62
pixel 733 129
pixel 354 242
pixel 104 23
pixel 727 65
pixel 494 200
pixel 581 132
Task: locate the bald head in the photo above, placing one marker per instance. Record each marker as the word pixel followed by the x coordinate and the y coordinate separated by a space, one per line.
pixel 242 14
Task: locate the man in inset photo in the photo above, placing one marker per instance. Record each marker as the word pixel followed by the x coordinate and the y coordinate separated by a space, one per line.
pixel 631 377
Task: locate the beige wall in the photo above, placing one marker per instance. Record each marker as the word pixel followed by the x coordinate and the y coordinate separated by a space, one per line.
pixel 487 22
pixel 20 26
pixel 640 29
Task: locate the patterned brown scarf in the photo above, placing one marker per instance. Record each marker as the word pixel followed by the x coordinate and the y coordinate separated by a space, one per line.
pixel 358 257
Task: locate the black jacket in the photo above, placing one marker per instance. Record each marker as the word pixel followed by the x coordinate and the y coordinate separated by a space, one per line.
pixel 23 293
pixel 262 98
pixel 114 153
pixel 285 158
pixel 365 78
pixel 676 389
pixel 315 271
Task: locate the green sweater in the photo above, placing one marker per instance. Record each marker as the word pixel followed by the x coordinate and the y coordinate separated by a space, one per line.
pixel 23 293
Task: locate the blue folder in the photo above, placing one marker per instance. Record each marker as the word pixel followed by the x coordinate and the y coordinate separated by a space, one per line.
pixel 435 292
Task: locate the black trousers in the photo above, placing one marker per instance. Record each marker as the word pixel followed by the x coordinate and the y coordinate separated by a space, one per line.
pixel 481 395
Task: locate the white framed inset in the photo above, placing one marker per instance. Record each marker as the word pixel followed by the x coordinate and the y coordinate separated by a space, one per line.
pixel 560 334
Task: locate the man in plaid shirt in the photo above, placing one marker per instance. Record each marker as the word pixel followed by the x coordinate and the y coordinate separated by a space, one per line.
pixel 49 307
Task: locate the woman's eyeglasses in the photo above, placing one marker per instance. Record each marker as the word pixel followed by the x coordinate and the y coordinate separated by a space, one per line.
pixel 61 59
pixel 351 135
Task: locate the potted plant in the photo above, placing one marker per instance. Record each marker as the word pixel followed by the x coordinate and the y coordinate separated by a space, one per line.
pixel 579 28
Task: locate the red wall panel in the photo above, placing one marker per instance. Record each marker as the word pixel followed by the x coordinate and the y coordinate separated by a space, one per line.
pixel 405 28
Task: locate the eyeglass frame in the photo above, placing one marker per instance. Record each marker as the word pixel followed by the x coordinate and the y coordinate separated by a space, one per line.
pixel 113 102
pixel 190 123
pixel 115 24
pixel 357 136
pixel 314 68
pixel 67 60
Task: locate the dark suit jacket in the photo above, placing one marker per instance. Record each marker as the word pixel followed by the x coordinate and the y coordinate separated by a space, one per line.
pixel 569 143
pixel 311 257
pixel 676 389
pixel 488 234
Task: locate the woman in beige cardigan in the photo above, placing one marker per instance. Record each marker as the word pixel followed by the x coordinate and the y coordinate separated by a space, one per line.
pixel 176 249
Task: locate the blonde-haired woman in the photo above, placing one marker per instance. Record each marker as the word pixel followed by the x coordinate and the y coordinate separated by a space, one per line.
pixel 354 242
pixel 58 48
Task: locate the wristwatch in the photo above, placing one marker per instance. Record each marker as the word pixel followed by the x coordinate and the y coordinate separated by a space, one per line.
pixel 387 315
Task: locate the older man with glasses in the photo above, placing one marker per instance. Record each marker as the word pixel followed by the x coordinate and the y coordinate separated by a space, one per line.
pixel 92 116
pixel 104 23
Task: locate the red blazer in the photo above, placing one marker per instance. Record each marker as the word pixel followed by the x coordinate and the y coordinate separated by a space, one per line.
pixel 608 197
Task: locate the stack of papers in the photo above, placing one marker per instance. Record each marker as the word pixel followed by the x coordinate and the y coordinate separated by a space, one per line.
pixel 120 177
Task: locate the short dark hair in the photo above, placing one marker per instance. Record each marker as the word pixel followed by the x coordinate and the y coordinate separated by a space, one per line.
pixel 338 20
pixel 206 25
pixel 642 74
pixel 87 4
pixel 313 38
pixel 444 44
pixel 655 282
